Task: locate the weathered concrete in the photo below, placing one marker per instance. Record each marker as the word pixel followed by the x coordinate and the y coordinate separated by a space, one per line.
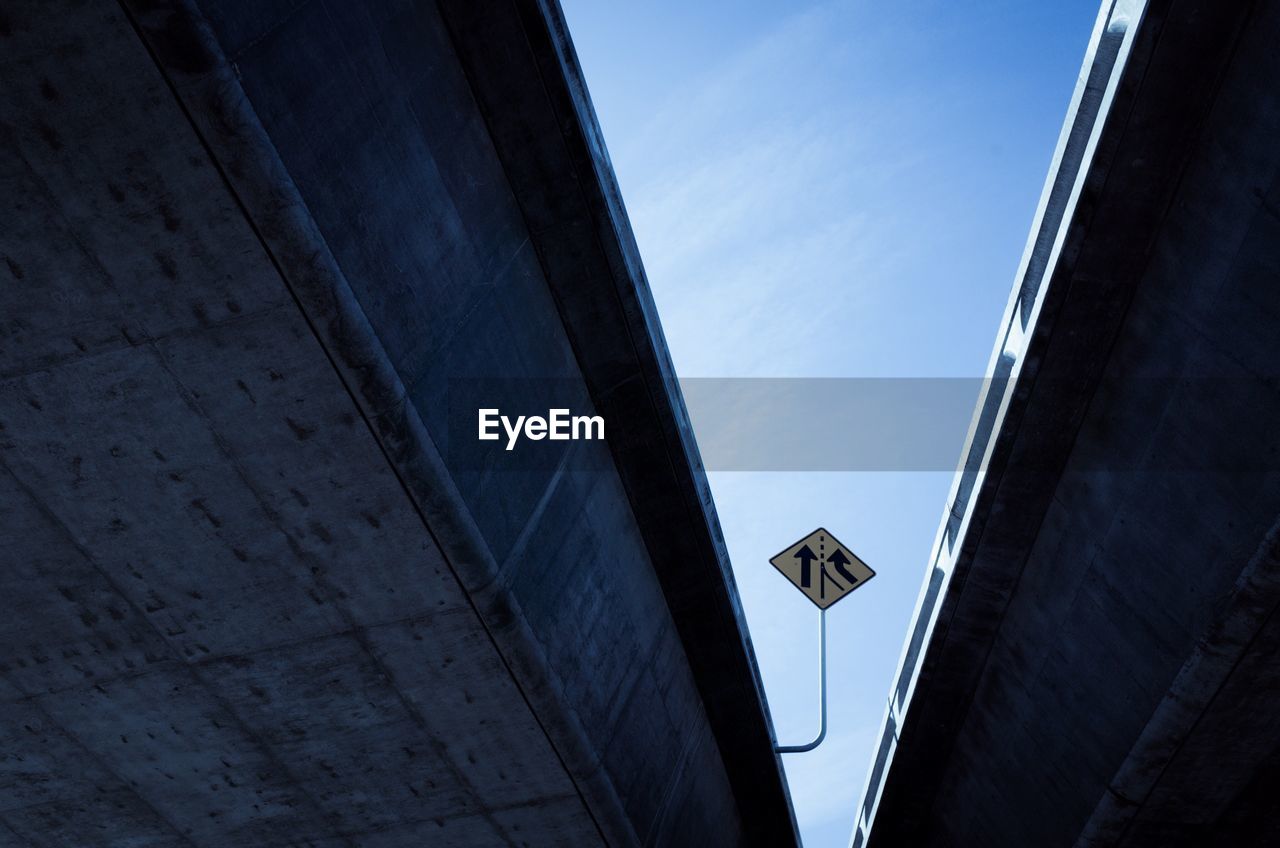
pixel 251 596
pixel 1095 660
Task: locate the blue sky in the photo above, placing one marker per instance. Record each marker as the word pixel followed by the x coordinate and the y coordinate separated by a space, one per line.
pixel 837 189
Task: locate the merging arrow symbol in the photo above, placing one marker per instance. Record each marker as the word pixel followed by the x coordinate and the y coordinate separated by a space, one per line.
pixel 834 564
pixel 839 560
pixel 822 591
pixel 806 556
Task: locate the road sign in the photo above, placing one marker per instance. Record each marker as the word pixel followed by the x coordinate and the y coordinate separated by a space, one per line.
pixel 823 568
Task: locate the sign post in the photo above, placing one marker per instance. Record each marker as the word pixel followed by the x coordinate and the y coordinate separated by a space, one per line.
pixel 822 693
pixel 798 564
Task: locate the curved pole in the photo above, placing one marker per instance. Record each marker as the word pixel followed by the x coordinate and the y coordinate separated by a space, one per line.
pixel 822 692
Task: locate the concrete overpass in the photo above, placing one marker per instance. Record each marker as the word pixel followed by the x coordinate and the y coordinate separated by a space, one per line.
pixel 251 593
pixel 1094 658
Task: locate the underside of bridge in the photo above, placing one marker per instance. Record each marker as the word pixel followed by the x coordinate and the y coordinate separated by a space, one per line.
pixel 250 594
pixel 1094 661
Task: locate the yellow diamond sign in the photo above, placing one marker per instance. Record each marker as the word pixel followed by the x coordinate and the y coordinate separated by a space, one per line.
pixel 822 568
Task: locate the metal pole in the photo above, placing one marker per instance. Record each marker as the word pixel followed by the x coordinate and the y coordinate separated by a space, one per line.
pixel 822 692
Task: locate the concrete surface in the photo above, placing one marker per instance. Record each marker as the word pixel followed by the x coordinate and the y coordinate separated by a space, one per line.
pixel 1097 645
pixel 252 595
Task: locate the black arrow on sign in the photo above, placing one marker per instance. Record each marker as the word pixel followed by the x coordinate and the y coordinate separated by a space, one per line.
pixel 839 560
pixel 822 590
pixel 805 556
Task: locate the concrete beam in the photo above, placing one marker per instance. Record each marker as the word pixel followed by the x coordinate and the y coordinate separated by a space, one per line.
pixel 271 601
pixel 1101 518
